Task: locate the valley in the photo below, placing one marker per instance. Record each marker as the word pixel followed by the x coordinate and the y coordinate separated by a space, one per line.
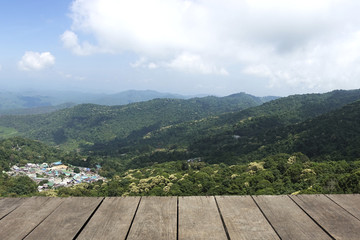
pixel 238 144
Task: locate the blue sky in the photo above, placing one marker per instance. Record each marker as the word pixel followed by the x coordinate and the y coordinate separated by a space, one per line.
pixel 180 46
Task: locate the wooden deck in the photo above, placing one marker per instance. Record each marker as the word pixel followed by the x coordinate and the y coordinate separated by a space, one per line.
pixel 219 217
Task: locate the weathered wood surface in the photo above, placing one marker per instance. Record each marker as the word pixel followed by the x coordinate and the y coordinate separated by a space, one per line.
pixel 243 218
pixel 7 205
pixel 288 220
pixel 26 217
pixel 66 220
pixel 199 218
pixel 350 203
pixel 112 219
pixel 156 218
pixel 333 218
pixel 220 217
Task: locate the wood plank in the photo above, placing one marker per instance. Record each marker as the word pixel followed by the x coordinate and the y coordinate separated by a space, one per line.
pixel 67 220
pixel 334 219
pixel 112 219
pixel 244 219
pixel 199 218
pixel 350 202
pixel 156 218
pixel 8 205
pixel 288 220
pixel 26 217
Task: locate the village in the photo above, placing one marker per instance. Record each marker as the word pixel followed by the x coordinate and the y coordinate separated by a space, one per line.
pixel 54 175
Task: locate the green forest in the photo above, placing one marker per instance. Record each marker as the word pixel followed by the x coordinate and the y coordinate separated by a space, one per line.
pixel 238 144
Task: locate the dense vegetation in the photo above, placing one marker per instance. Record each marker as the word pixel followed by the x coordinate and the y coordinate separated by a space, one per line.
pixel 19 151
pixel 88 124
pixel 31 101
pixel 281 126
pixel 202 146
pixel 277 174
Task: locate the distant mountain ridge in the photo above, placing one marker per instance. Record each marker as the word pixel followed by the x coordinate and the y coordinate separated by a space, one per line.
pixel 90 123
pixel 239 144
pixel 239 136
pixel 39 99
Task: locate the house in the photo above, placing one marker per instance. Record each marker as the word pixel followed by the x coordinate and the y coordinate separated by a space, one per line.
pixel 56 163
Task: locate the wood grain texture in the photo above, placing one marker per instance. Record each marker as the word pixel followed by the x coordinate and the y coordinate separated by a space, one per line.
pixel 66 220
pixel 26 217
pixel 112 219
pixel 289 221
pixel 334 219
pixel 156 218
pixel 199 218
pixel 8 205
pixel 243 218
pixel 350 202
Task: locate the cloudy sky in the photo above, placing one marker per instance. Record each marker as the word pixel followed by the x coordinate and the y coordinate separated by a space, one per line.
pixel 262 47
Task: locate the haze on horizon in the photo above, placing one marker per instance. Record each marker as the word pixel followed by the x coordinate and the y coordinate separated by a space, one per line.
pixel 187 47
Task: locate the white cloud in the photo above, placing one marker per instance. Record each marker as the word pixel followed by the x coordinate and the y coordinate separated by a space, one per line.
pixel 325 65
pixel 194 63
pixel 305 43
pixel 186 62
pixel 36 61
pixel 70 41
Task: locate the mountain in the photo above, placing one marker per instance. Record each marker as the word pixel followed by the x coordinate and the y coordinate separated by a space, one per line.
pixel 201 146
pixel 315 133
pixel 36 99
pixel 35 110
pixel 335 134
pixel 235 129
pixel 133 96
pixel 10 100
pixel 88 123
pixel 235 137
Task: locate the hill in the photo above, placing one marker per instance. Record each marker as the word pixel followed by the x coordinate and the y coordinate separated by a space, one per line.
pixel 132 96
pixel 40 99
pixel 333 135
pixel 87 124
pixel 241 136
pixel 201 146
pixel 35 110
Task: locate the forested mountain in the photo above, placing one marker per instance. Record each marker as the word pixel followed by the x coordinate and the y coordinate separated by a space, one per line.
pixel 10 101
pixel 241 136
pixel 132 96
pixel 35 110
pixel 87 124
pixel 334 135
pixel 201 146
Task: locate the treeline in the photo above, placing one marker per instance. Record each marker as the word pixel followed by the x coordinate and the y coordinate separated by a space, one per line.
pixel 86 124
pixel 20 151
pixel 277 174
pixel 323 126
pixel 181 147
